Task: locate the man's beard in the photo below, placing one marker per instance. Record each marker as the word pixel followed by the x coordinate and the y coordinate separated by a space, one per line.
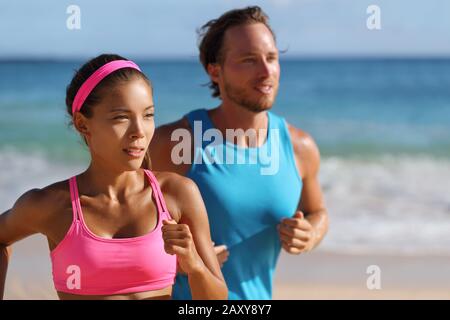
pixel 239 97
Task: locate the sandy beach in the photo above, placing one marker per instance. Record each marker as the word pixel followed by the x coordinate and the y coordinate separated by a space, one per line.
pixel 322 275
pixel 316 275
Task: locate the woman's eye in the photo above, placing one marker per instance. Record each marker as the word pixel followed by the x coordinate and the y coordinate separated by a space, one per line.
pixel 149 115
pixel 119 117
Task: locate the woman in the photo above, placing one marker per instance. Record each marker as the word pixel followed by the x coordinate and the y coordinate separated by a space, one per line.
pixel 117 230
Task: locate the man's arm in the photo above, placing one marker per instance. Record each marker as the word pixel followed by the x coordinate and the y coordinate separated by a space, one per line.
pixel 312 202
pixel 309 225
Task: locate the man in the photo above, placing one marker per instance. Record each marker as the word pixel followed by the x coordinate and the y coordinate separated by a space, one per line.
pixel 260 188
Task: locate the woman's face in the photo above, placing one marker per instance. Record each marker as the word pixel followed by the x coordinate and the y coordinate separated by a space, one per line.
pixel 122 125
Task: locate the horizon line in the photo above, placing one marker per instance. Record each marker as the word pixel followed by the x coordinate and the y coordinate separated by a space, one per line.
pixel 298 57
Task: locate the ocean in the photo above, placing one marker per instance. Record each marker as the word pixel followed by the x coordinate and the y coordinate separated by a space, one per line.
pixel 382 126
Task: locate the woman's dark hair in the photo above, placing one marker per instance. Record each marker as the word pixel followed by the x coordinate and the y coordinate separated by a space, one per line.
pixel 211 35
pixel 116 77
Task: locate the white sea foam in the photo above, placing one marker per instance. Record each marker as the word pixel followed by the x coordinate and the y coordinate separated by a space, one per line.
pixel 397 205
pixel 20 172
pixel 387 205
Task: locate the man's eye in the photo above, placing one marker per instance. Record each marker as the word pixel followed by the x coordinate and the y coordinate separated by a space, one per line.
pixel 119 117
pixel 149 115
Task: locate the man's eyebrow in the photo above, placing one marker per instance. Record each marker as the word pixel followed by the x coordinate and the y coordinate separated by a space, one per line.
pixel 128 111
pixel 255 53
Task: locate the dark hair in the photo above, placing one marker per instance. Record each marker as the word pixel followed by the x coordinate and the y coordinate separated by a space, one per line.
pixel 211 35
pixel 116 77
pixel 81 75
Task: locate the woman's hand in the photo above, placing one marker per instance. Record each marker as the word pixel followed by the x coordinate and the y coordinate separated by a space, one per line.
pixel 178 240
pixel 222 256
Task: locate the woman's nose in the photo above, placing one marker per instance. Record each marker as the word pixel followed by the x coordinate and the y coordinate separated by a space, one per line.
pixel 137 130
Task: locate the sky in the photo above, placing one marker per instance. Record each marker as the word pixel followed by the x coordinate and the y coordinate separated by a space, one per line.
pixel 167 29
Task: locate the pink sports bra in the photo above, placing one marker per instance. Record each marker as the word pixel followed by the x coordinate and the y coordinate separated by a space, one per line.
pixel 86 264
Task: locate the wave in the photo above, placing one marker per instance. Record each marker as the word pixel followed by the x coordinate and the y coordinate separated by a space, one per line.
pixel 392 204
pixel 388 204
pixel 21 172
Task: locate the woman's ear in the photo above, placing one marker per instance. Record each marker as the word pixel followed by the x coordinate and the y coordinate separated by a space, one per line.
pixel 80 123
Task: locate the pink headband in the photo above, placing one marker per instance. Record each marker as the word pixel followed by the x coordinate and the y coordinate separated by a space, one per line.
pixel 96 77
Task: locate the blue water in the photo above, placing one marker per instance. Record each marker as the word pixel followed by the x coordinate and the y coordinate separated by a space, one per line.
pixel 382 126
pixel 351 107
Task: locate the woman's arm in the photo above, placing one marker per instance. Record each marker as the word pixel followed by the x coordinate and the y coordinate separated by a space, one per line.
pixel 5 252
pixel 15 224
pixel 190 239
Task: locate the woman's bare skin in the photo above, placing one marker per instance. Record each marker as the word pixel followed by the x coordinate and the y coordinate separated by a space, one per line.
pixel 116 198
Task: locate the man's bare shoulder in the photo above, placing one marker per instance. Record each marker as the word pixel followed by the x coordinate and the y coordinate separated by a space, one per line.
pixel 165 131
pixel 306 150
pixel 161 146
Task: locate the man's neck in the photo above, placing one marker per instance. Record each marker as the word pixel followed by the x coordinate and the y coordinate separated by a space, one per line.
pixel 229 116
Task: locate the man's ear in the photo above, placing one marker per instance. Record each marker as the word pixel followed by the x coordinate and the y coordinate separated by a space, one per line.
pixel 80 123
pixel 214 72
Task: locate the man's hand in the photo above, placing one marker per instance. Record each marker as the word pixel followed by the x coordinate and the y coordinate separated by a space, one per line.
pixel 222 254
pixel 297 235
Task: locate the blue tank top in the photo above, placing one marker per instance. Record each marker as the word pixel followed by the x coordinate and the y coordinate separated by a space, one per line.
pixel 246 194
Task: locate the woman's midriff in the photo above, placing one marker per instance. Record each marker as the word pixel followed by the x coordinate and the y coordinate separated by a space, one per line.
pixel 162 294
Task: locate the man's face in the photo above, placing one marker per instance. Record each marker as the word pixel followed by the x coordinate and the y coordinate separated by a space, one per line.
pixel 250 71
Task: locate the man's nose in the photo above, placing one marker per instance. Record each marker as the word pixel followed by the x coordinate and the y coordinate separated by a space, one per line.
pixel 264 69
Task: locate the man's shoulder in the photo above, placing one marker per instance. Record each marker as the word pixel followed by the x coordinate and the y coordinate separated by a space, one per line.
pixel 166 130
pixel 162 144
pixel 162 139
pixel 305 148
pixel 299 136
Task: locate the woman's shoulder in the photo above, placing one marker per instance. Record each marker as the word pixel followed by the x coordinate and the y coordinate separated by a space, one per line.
pixel 46 200
pixel 174 183
pixel 37 207
pixel 178 191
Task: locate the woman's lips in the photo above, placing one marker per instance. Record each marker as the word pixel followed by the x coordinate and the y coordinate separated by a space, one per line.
pixel 134 152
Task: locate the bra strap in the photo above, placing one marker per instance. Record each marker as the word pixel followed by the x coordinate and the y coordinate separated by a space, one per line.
pixel 157 192
pixel 74 197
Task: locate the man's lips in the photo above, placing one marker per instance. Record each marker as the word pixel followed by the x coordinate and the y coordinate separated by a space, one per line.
pixel 264 88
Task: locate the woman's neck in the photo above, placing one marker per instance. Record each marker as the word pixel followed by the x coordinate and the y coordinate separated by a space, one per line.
pixel 117 186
